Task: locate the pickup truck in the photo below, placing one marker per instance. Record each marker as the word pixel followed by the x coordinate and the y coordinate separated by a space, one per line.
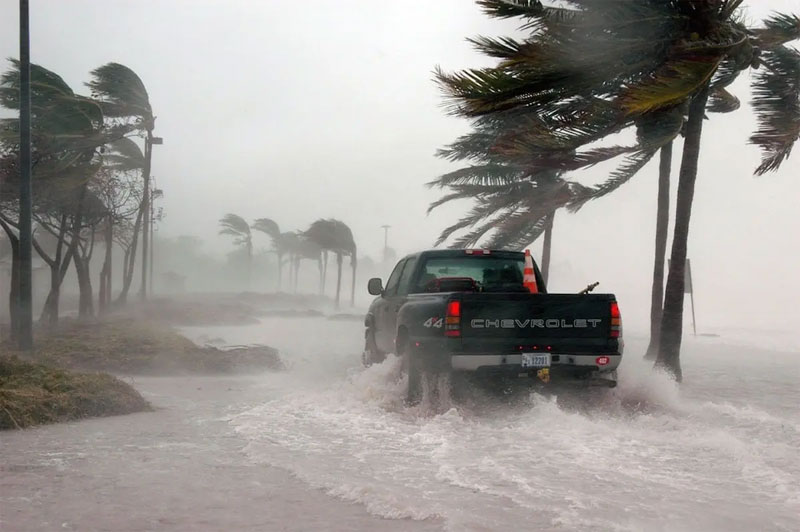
pixel 470 311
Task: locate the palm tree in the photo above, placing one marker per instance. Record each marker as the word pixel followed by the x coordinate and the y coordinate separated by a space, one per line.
pixel 512 211
pixel 123 95
pixel 279 241
pixel 601 67
pixel 238 228
pixel 67 130
pixel 335 236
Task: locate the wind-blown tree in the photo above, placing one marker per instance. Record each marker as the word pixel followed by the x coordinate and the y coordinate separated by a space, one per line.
pixel 335 236
pixel 124 99
pixel 279 244
pixel 238 228
pixel 67 130
pixel 123 165
pixel 636 60
pixel 516 197
pixel 118 184
pixel 300 248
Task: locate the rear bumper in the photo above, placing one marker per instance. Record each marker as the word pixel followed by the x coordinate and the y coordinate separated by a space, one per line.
pixel 512 363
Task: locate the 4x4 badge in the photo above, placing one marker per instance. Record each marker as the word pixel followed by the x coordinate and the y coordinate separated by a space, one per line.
pixel 434 322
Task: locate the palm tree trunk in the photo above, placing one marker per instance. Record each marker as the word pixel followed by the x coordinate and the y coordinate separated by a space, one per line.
pixel 280 271
pixel 130 262
pixel 547 246
pixel 338 278
pixel 662 232
pixel 249 266
pixel 297 260
pixel 672 317
pixel 319 266
pixel 353 264
pixel 324 271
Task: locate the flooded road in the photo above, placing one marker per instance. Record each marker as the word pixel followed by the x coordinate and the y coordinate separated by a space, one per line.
pixel 327 445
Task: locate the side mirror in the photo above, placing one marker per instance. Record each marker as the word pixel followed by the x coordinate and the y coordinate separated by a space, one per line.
pixel 375 286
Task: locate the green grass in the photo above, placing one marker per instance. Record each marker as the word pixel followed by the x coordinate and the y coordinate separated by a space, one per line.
pixel 34 394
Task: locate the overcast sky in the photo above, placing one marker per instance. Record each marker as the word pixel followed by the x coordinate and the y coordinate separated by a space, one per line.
pixel 300 110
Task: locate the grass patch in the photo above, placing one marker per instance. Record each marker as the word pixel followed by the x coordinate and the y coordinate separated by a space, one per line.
pixel 143 348
pixel 34 394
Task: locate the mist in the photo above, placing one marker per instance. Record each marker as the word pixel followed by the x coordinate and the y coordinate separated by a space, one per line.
pixel 243 366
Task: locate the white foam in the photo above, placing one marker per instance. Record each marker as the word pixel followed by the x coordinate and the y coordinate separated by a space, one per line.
pixel 650 455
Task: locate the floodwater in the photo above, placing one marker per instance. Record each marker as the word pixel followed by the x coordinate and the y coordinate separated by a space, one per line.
pixel 328 445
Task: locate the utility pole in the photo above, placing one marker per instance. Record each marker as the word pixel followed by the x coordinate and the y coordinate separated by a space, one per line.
pixel 152 225
pixel 156 193
pixel 149 142
pixel 25 287
pixel 385 240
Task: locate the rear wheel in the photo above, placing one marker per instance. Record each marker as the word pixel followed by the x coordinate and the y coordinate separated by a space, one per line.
pixel 413 367
pixel 371 355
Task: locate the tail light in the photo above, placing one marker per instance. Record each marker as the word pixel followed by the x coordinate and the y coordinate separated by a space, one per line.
pixel 616 321
pixel 452 321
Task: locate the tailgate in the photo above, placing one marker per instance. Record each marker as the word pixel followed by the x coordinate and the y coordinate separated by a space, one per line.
pixel 564 322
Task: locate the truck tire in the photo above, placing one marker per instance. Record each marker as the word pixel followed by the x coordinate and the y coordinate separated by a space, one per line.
pixel 371 355
pixel 414 370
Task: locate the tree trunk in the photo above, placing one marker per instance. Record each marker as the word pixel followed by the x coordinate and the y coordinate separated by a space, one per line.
pixel 49 313
pixel 338 278
pixel 109 260
pixel 130 260
pixel 12 292
pixel 662 232
pixel 280 272
pixel 58 270
pixel 319 266
pixel 101 290
pixel 672 316
pixel 86 299
pixel 353 264
pixel 548 242
pixel 324 271
pixel 249 263
pixel 13 304
pixel 296 272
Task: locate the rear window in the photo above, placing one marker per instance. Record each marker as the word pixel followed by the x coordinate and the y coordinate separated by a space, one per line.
pixel 491 274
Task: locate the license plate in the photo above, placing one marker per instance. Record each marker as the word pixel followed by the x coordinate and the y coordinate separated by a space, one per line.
pixel 535 360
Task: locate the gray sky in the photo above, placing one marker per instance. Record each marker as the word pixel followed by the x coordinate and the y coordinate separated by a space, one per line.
pixel 300 110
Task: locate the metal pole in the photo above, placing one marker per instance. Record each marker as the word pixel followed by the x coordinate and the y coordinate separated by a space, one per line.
pixel 148 150
pixel 152 240
pixel 25 292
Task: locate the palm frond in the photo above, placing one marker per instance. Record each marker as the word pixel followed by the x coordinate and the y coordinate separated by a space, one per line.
pixel 616 179
pixel 121 92
pixel 234 224
pixel 267 226
pixel 722 101
pixel 776 102
pixel 672 83
pixel 779 29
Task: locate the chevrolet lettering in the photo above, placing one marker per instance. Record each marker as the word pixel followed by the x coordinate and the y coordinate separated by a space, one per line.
pixel 533 324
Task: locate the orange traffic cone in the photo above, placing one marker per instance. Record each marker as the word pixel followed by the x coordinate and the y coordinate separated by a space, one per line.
pixel 528 276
